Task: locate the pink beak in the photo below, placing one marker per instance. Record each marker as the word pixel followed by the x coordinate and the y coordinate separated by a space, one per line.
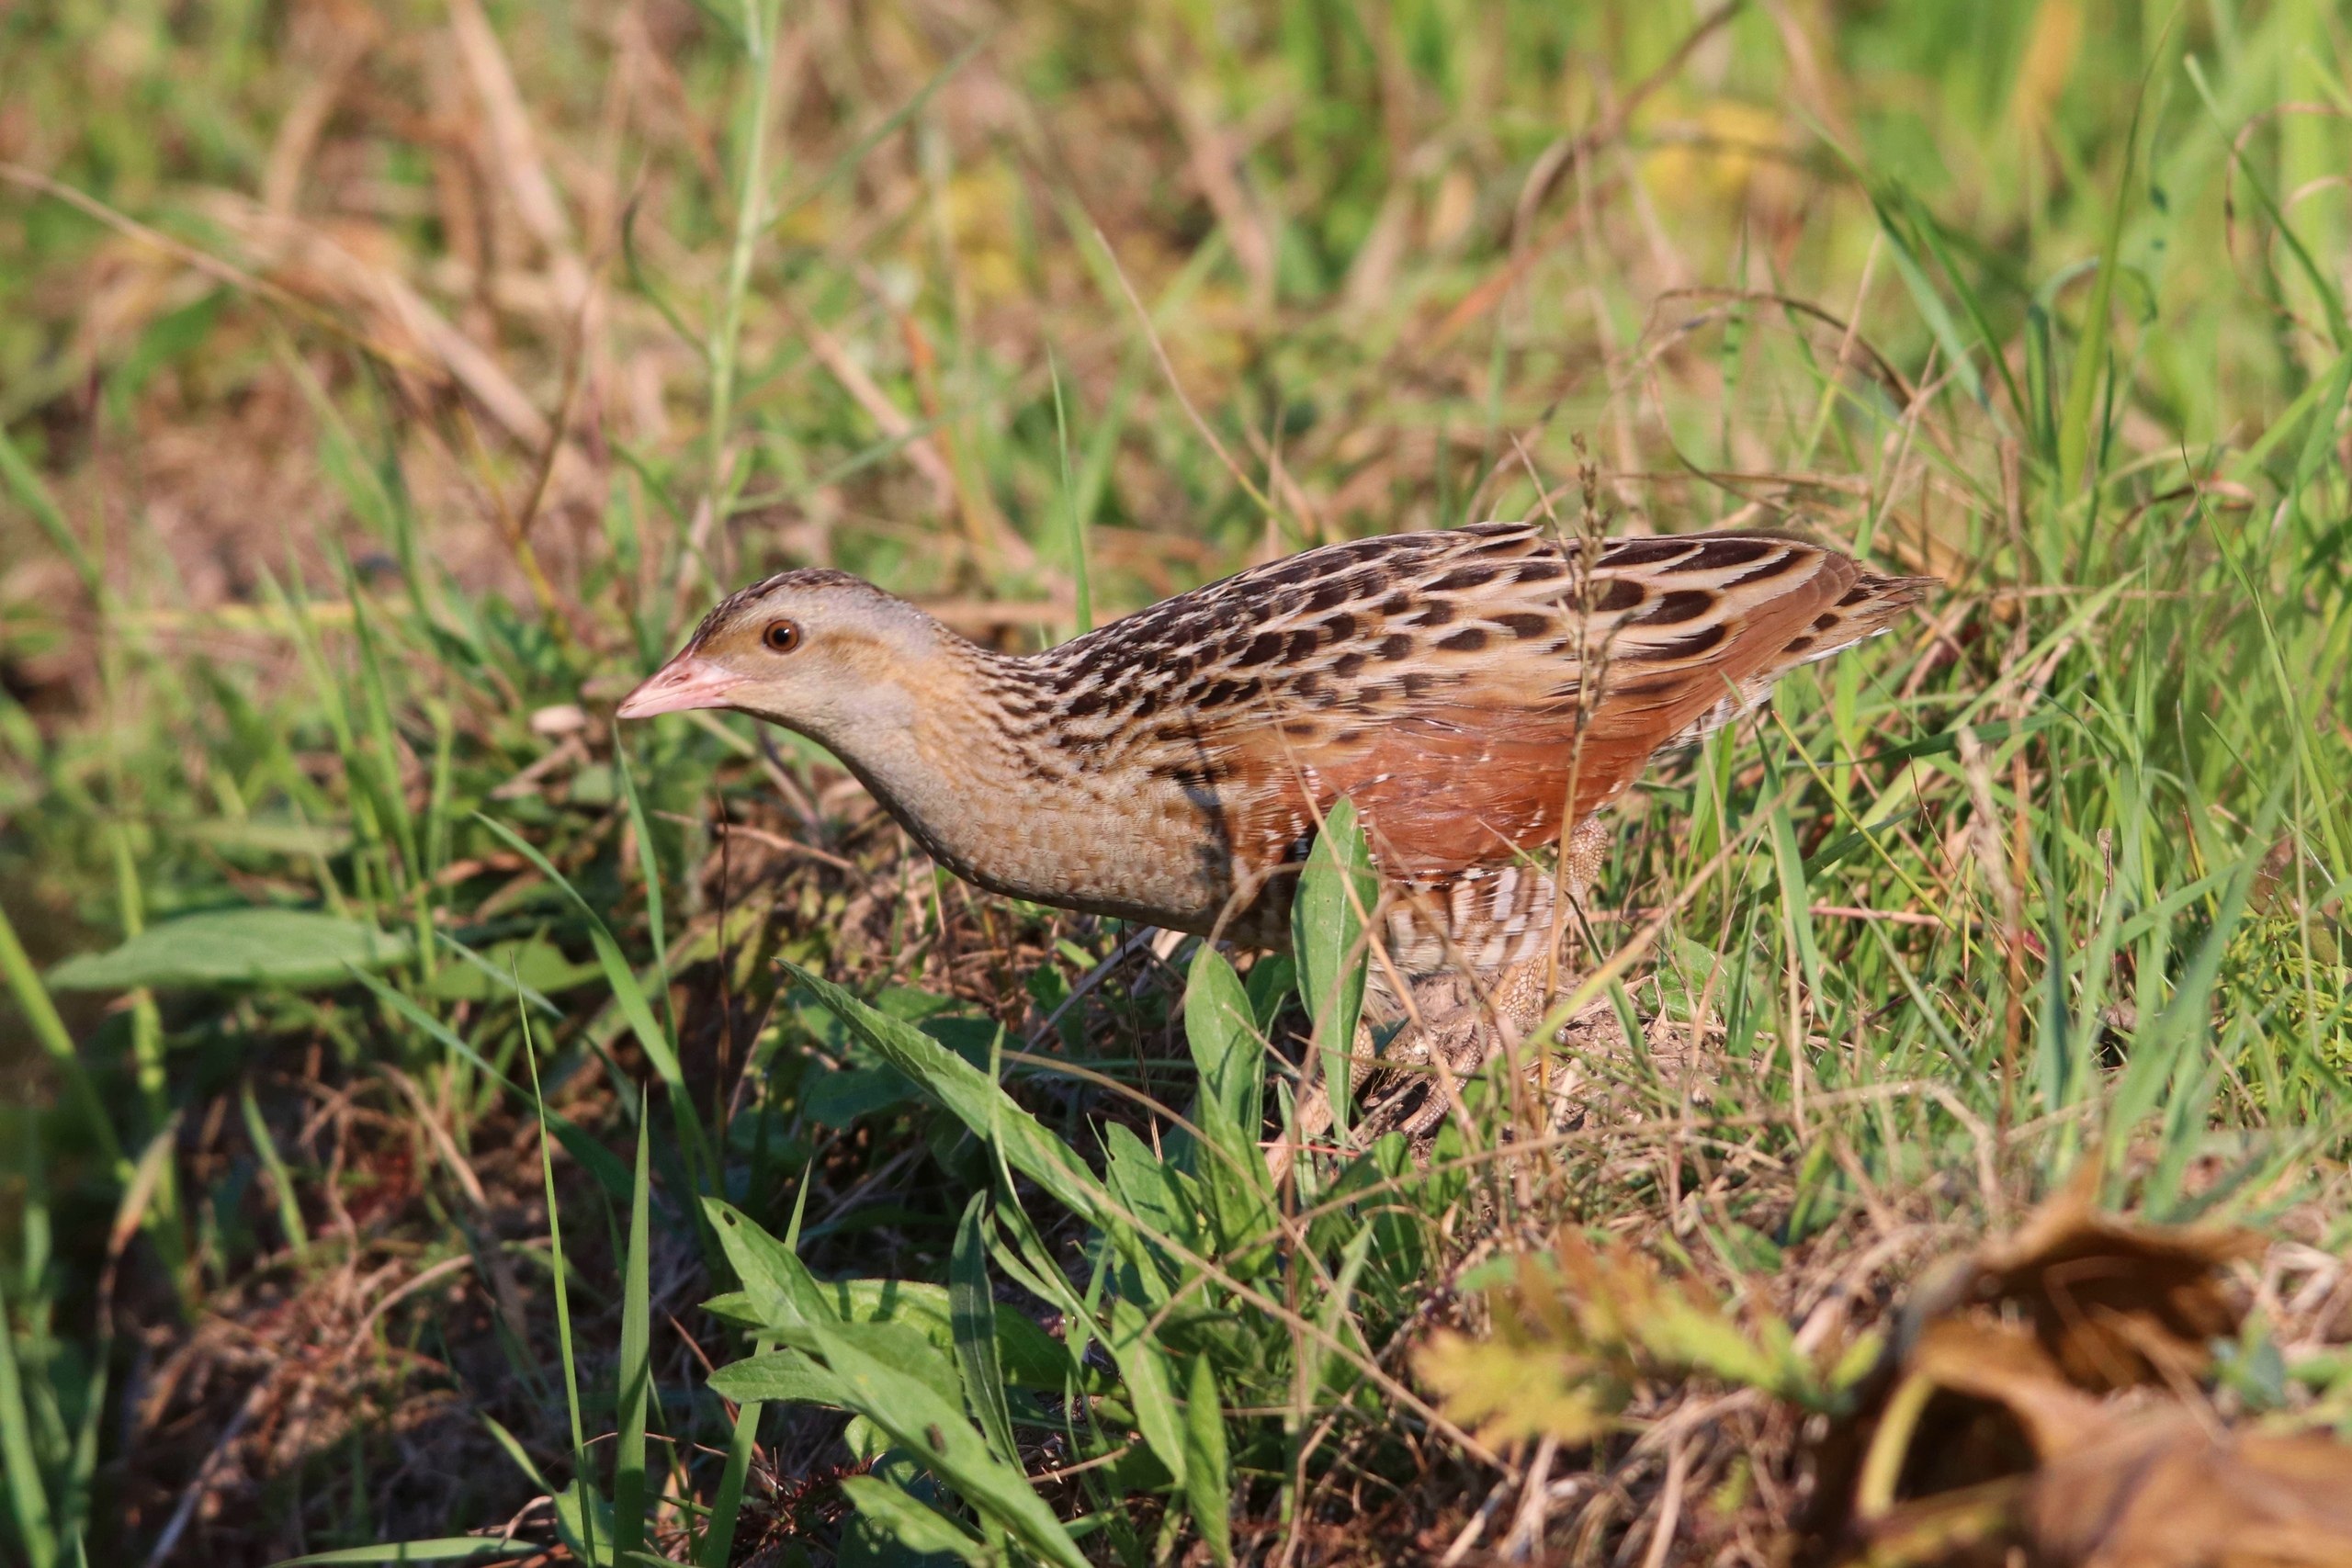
pixel 686 681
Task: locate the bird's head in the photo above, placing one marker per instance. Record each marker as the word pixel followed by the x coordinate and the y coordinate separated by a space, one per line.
pixel 815 650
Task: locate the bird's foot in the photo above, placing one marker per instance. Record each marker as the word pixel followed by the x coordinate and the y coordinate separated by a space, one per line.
pixel 1427 1075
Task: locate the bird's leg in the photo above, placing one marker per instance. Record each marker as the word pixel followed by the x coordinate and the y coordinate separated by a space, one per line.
pixel 1460 1021
pixel 1466 1021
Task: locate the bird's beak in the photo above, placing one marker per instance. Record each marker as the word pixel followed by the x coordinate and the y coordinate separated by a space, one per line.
pixel 686 681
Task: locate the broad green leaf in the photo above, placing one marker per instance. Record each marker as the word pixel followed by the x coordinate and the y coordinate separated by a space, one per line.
pixel 1336 893
pixel 787 1376
pixel 933 1432
pixel 1222 1033
pixel 1144 1367
pixel 1680 1332
pixel 1220 1026
pixel 291 948
pixel 1508 1391
pixel 1209 1483
pixel 837 1096
pixel 1152 1190
pixel 915 1525
pixel 1337 1317
pixel 780 1286
pixel 972 1316
pixel 584 1520
pixel 1031 1356
pixel 539 965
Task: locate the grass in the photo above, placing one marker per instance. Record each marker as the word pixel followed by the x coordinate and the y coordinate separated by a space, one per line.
pixel 666 1159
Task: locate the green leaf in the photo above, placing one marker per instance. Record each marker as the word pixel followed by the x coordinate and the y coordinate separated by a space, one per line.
pixel 2074 432
pixel 972 1098
pixel 933 1432
pixel 1227 1052
pixel 1336 1318
pixel 492 975
pixel 782 1290
pixel 33 494
pixel 1031 1356
pixel 1220 1025
pixel 718 1540
pixel 837 1096
pixel 33 1002
pixel 972 1316
pixel 447 1548
pixel 1152 1190
pixel 789 1376
pixel 270 836
pixel 1144 1367
pixel 290 948
pixel 914 1524
pixel 1208 1485
pixel 584 1520
pixel 1336 893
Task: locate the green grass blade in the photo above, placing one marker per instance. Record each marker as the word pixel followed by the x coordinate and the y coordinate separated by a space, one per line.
pixel 27 1500
pixel 281 1182
pixel 561 1271
pixel 2090 355
pixel 32 493
pixel 648 866
pixel 599 1161
pixel 1077 518
pixel 629 995
pixel 726 1504
pixel 635 1370
pixel 2339 327
pixel 48 1029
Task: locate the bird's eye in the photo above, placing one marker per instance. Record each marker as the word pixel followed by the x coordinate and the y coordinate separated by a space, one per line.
pixel 781 637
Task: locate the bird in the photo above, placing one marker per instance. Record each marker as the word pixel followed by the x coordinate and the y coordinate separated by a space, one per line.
pixel 1480 694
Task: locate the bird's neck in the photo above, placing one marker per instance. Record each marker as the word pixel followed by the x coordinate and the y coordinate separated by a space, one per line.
pixel 956 763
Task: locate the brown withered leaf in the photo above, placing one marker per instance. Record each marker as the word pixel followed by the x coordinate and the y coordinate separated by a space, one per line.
pixel 2142 1486
pixel 2042 1404
pixel 2163 1489
pixel 2114 1303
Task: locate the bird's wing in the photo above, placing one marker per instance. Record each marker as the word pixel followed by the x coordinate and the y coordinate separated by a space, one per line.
pixel 1471 698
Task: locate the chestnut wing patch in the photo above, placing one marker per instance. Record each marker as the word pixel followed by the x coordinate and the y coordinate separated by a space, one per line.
pixel 1498 743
